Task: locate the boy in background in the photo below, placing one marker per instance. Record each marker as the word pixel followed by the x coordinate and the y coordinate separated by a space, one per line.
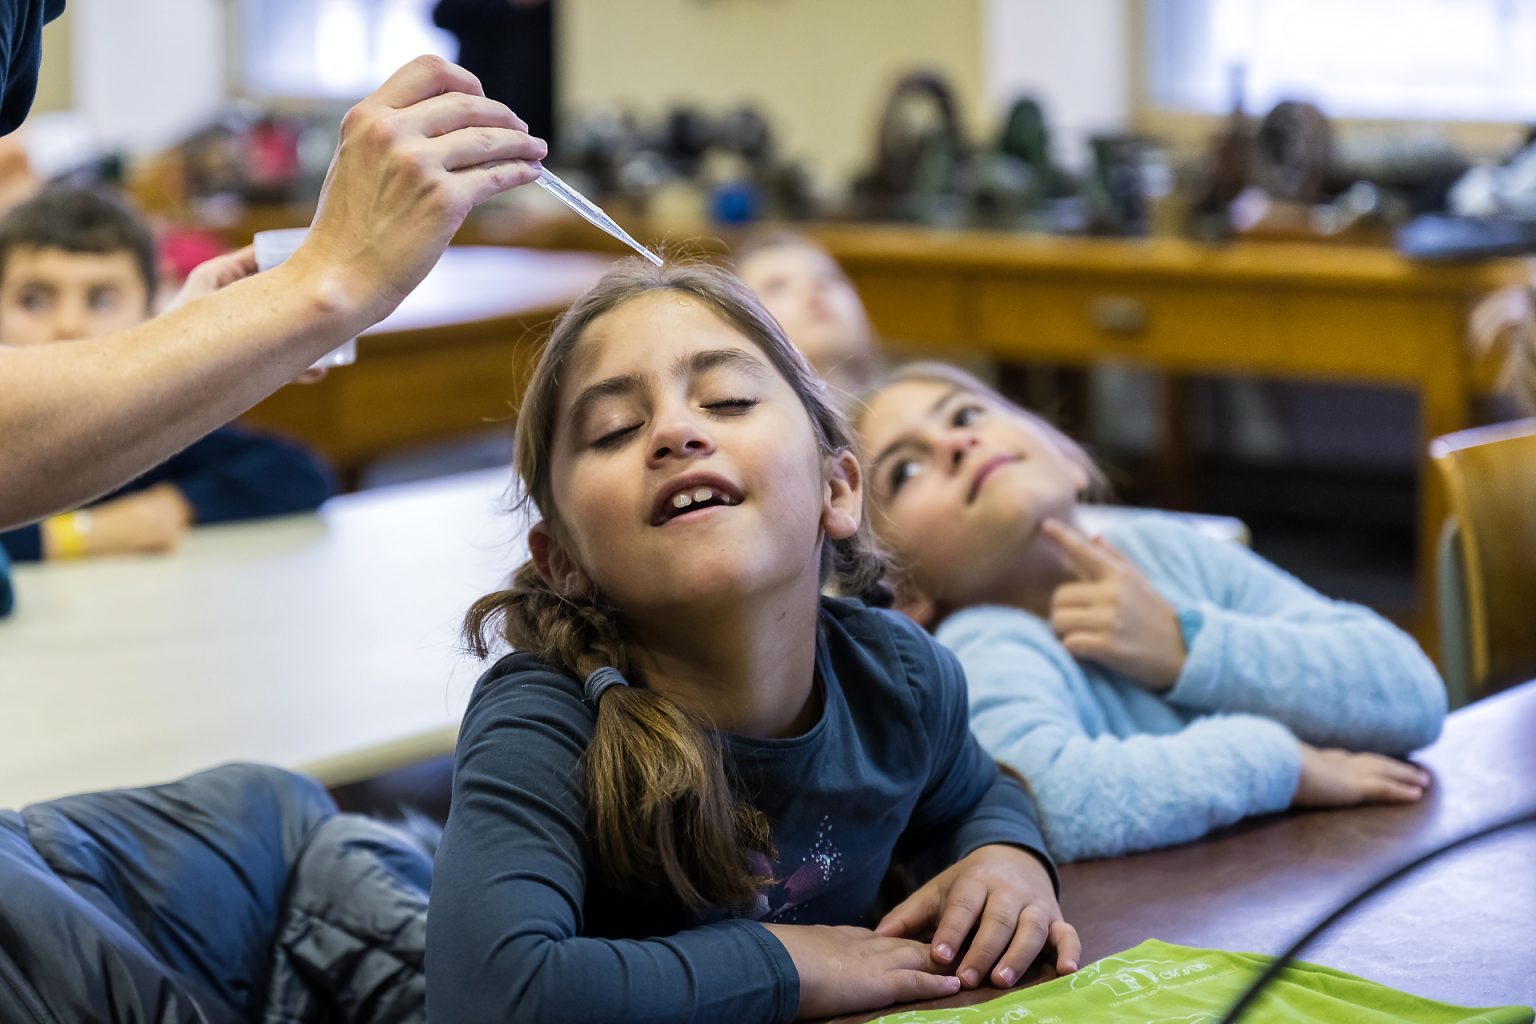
pixel 75 264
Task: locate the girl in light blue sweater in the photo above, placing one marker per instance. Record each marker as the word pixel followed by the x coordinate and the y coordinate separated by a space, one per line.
pixel 1152 684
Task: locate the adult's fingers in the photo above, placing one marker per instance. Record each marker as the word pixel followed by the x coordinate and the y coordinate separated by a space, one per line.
pixel 1000 927
pixel 478 184
pixel 470 147
pixel 439 115
pixel 423 77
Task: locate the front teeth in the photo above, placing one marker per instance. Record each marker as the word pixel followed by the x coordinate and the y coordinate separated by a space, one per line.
pixel 682 499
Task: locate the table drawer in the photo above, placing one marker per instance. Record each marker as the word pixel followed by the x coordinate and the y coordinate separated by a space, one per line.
pixel 914 306
pixel 1175 326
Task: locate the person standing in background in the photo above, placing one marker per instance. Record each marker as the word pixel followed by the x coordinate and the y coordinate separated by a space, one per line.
pixel 509 45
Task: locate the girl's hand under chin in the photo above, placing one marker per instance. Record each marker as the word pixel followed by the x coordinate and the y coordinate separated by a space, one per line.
pixel 1005 894
pixel 1112 615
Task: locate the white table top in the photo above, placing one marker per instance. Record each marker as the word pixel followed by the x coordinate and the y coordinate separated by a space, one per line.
pixel 469 283
pixel 326 643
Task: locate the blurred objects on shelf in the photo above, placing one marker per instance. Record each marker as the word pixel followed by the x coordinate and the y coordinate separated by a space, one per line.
pixel 689 170
pixel 1131 177
pixel 922 169
pixel 1448 238
pixel 1507 190
pixel 1223 172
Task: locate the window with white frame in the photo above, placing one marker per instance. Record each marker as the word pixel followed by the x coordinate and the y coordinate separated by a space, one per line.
pixel 1417 59
pixel 332 49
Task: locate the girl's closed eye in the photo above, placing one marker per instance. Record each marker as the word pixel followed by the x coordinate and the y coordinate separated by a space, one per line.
pixel 731 406
pixel 615 437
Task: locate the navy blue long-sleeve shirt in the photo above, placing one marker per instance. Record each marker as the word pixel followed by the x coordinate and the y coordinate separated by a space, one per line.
pixel 229 475
pixel 521 928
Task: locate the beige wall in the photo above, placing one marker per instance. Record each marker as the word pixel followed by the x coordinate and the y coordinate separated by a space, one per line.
pixel 820 70
pixel 55 80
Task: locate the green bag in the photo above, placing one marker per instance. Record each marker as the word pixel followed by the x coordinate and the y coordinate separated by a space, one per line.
pixel 1160 983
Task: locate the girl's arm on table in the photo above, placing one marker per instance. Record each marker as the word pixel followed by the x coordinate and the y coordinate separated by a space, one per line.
pixel 1100 795
pixel 1337 674
pixel 504 932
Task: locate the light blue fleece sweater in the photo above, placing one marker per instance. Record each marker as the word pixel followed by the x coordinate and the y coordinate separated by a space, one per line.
pixel 1117 769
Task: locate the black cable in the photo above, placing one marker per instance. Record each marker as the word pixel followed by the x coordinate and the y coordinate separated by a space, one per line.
pixel 1284 959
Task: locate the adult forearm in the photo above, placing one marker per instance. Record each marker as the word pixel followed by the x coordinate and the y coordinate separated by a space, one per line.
pixel 79 419
pixel 415 157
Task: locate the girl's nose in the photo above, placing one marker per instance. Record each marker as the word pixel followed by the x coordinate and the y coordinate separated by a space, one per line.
pixel 680 436
pixel 958 444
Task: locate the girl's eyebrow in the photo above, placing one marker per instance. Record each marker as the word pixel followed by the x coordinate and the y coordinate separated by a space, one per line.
pixel 900 442
pixel 690 364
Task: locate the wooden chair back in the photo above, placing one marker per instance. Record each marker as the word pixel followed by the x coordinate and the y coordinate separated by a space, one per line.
pixel 1489 475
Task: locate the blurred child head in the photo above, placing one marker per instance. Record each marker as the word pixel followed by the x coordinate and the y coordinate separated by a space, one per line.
pixel 684 460
pixel 73 264
pixel 960 479
pixel 815 303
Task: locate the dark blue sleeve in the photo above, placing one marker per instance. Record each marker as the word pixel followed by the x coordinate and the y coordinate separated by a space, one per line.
pixel 21 51
pixel 504 931
pixel 969 802
pixel 7 596
pixel 23 544
pixel 233 474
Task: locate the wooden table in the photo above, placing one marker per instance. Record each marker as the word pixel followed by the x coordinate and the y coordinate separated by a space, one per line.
pixel 1462 929
pixel 326 643
pixel 451 360
pixel 1291 310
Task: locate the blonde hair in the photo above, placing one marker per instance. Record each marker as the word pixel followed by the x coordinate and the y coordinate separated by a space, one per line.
pixel 658 793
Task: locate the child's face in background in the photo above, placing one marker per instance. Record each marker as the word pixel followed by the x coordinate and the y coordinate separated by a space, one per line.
pixel 684 469
pixel 49 295
pixel 813 300
pixel 960 484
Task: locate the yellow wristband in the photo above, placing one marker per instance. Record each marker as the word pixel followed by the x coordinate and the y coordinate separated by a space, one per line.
pixel 66 534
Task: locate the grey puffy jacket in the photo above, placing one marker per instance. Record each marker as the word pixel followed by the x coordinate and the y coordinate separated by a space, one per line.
pixel 238 894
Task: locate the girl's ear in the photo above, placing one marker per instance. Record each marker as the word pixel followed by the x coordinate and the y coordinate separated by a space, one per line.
pixel 843 505
pixel 555 564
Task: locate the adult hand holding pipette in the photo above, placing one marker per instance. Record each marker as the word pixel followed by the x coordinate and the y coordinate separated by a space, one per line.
pixel 414 158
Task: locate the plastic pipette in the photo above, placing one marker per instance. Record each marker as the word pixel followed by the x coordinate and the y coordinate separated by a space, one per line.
pixel 591 212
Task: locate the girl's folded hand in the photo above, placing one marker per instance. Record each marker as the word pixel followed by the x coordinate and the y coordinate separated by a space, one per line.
pixel 844 969
pixel 1002 892
pixel 1111 614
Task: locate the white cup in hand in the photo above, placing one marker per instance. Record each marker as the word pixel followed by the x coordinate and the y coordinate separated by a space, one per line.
pixel 272 247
